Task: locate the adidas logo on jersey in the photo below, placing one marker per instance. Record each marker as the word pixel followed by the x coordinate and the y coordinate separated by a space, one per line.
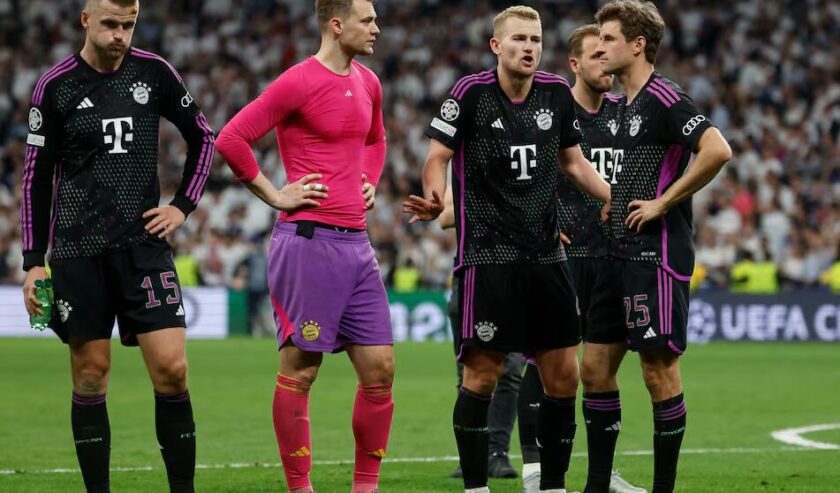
pixel 348 93
pixel 498 124
pixel 180 312
pixel 650 333
pixel 86 103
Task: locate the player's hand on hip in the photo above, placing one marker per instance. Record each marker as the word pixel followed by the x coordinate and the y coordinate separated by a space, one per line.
pixel 33 306
pixel 642 212
pixel 605 211
pixel 163 220
pixel 423 209
pixel 301 193
pixel 368 193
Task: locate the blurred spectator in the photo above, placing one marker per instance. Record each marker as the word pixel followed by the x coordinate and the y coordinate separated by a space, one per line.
pixel 771 83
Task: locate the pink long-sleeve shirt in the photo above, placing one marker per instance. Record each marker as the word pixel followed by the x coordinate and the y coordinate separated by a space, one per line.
pixel 326 123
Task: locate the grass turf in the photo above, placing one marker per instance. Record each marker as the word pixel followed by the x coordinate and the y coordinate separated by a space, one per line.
pixel 736 395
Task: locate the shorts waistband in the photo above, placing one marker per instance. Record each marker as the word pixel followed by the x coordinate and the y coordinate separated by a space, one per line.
pixel 323 231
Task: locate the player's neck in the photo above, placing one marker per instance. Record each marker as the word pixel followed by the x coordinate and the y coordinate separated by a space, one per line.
pixel 99 62
pixel 588 99
pixel 515 88
pixel 635 78
pixel 333 57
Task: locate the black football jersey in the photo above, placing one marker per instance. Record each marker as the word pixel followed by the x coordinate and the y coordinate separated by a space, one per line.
pixel 92 155
pixel 580 214
pixel 657 133
pixel 505 168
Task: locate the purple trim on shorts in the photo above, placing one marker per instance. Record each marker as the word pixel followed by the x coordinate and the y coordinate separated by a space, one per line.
pixel 467 82
pixel 668 172
pixel 152 56
pixel 459 166
pixel 675 412
pixel 182 397
pixel 660 297
pixel 666 89
pixel 469 299
pixel 88 400
pixel 62 67
pixel 674 348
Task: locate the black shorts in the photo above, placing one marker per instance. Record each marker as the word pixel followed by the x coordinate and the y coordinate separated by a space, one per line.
pixel 655 307
pixel 518 308
pixel 598 287
pixel 138 286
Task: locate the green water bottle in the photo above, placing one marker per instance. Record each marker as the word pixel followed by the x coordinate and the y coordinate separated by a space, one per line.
pixel 44 293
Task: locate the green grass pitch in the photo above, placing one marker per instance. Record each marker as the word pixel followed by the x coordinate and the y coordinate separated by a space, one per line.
pixel 737 394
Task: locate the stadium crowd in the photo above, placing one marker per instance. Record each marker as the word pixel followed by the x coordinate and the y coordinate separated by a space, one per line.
pixel 762 70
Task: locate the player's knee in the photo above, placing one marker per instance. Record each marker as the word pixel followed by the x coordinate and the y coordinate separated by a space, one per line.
pixel 563 382
pixel 380 373
pixel 481 382
pixel 661 377
pixel 595 377
pixel 91 377
pixel 171 376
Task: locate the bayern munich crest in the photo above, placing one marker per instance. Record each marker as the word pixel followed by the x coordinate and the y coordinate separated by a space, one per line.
pixel 140 91
pixel 450 110
pixel 64 310
pixel 35 119
pixel 310 330
pixel 544 118
pixel 485 331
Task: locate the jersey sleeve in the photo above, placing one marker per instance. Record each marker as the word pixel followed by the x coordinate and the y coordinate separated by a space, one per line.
pixel 279 100
pixel 450 123
pixel 684 123
pixel 42 143
pixel 179 107
pixel 569 124
pixel 375 146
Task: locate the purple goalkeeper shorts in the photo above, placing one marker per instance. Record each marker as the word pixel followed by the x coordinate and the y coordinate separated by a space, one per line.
pixel 326 291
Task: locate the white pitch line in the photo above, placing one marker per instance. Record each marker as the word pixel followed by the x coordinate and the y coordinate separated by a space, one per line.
pixel 792 436
pixel 414 460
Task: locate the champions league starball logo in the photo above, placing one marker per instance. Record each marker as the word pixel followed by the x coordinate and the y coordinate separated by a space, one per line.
pixel 701 322
pixel 450 110
pixel 35 119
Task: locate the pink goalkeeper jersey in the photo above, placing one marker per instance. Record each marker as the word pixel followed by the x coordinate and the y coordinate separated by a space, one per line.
pixel 326 123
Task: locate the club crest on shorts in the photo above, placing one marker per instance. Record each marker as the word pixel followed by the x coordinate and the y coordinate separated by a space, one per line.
pixel 485 331
pixel 310 330
pixel 64 310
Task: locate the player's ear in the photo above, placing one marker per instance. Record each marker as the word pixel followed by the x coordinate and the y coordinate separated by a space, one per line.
pixel 494 45
pixel 573 64
pixel 336 26
pixel 639 45
pixel 85 20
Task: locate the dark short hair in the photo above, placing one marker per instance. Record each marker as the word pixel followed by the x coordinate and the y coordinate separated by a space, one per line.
pixel 637 19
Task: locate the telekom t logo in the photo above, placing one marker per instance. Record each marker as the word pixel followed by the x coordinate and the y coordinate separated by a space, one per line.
pixel 117 137
pixel 524 157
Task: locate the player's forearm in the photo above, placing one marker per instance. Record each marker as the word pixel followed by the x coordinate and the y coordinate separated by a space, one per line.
pixel 36 208
pixel 584 176
pixel 201 148
pixel 262 188
pixel 713 153
pixel 374 161
pixel 434 176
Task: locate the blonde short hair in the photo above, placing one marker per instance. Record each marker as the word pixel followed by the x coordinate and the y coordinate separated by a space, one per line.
pixel 520 11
